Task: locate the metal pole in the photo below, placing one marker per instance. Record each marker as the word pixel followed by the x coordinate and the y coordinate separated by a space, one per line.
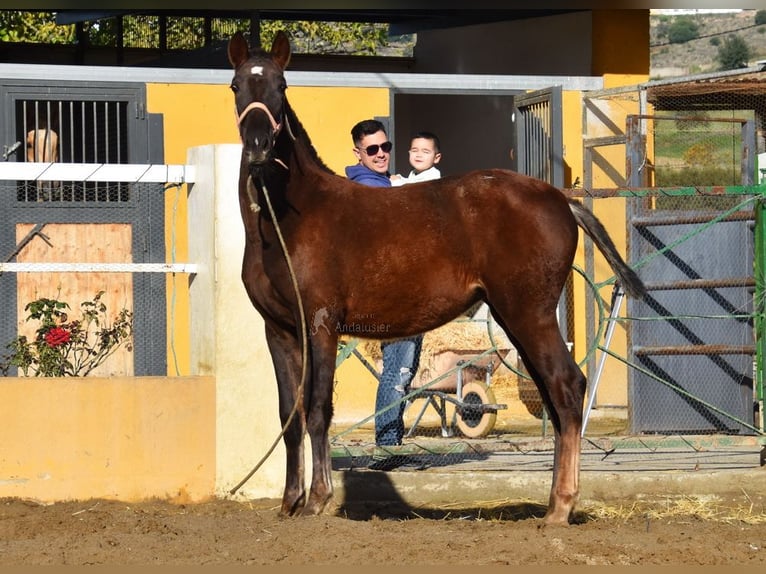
pixel 617 296
pixel 760 293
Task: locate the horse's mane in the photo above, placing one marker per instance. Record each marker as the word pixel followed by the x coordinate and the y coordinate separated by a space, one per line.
pixel 300 133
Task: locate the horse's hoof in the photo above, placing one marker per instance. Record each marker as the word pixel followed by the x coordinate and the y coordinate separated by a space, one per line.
pixel 285 513
pixel 291 507
pixel 555 520
pixel 315 507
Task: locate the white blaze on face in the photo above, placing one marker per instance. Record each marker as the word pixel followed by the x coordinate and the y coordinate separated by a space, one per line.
pixel 256 70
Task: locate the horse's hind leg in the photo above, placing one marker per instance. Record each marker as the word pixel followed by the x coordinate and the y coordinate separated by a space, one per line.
pixel 562 387
pixel 318 418
pixel 286 355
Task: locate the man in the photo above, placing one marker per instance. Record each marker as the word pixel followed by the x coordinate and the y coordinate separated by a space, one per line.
pixel 373 153
pixel 400 357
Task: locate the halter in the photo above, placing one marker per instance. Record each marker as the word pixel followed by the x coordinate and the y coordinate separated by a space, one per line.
pixel 275 127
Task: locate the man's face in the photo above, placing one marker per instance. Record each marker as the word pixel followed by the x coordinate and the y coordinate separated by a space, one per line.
pixel 378 161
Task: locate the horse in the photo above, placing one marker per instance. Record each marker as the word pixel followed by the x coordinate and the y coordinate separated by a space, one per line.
pixel 43 146
pixel 393 263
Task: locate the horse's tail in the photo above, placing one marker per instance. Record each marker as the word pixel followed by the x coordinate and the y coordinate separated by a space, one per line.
pixel 590 224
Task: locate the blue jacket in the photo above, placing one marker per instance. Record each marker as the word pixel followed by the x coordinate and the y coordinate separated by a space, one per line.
pixel 366 176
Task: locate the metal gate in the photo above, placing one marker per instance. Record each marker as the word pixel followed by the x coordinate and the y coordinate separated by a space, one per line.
pixel 538 138
pixel 696 253
pixel 47 221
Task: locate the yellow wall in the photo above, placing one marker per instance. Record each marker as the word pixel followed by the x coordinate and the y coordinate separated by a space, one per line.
pixel 195 115
pixel 612 212
pixel 620 42
pixel 121 438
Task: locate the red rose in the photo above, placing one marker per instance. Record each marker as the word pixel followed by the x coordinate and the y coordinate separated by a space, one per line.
pixel 57 336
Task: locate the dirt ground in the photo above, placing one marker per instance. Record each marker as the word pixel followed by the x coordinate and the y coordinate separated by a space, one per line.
pixel 226 532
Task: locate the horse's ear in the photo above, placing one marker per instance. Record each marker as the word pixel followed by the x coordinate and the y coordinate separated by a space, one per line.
pixel 280 50
pixel 239 51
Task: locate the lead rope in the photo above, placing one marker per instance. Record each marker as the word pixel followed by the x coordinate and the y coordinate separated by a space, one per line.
pixel 304 340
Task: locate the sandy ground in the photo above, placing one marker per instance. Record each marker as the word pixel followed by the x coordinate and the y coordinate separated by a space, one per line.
pixel 226 532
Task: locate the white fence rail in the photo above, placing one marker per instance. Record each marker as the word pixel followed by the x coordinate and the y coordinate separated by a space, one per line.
pixel 126 173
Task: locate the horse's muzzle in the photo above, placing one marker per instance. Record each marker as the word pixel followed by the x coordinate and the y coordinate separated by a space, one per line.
pixel 258 147
pixel 257 158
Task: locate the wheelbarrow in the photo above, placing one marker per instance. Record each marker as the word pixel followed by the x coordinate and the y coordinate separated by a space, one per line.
pixel 464 381
pixel 465 384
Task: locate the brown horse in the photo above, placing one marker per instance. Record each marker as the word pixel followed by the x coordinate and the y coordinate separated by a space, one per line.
pixel 392 263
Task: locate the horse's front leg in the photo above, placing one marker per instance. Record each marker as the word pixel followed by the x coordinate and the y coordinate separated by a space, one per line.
pixel 286 356
pixel 318 417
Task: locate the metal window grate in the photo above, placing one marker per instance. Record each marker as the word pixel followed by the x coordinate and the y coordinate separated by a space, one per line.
pixel 73 131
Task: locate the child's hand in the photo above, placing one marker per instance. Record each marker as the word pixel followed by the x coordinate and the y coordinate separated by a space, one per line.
pixel 395 176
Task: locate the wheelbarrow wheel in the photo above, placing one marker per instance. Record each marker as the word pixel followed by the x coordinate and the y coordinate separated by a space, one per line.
pixel 473 420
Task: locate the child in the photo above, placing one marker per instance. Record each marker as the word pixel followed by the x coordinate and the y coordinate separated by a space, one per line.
pixel 424 155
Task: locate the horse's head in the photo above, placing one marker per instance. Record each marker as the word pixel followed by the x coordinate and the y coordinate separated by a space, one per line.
pixel 259 91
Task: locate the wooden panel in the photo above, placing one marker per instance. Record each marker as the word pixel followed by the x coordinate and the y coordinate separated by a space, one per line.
pixel 79 243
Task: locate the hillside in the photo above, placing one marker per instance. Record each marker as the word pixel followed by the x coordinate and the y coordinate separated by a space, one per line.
pixel 699 56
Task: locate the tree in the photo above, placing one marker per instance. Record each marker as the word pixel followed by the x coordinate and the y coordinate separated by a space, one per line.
pixel 760 17
pixel 733 53
pixel 187 33
pixel 38 27
pixel 682 30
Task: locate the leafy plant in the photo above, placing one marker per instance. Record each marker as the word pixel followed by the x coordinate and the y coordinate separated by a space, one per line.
pixel 63 348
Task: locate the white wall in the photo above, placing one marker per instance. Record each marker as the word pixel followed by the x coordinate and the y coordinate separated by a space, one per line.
pixel 227 337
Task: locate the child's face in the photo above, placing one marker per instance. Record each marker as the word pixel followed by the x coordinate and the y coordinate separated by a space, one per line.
pixel 423 155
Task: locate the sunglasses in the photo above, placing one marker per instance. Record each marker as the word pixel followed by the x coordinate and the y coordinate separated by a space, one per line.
pixel 373 149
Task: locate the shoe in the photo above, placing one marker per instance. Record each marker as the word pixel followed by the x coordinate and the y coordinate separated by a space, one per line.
pixel 403 461
pixel 412 462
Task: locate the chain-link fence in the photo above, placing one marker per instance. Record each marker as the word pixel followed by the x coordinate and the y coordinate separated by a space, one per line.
pixel 680 363
pixel 96 252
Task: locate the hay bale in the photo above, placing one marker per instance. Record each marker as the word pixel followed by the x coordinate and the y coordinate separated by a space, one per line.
pixel 443 347
pixel 458 335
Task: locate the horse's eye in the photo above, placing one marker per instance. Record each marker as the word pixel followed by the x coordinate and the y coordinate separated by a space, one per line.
pixel 234 88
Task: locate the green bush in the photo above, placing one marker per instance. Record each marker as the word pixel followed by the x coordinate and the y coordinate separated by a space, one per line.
pixel 682 30
pixel 760 17
pixel 733 53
